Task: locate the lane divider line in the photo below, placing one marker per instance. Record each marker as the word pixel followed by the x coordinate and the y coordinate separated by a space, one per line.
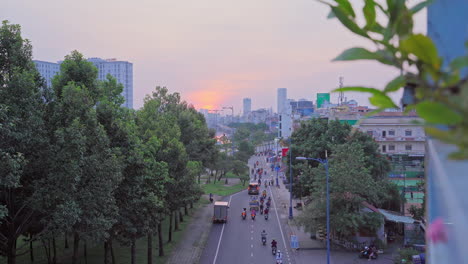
pixel 222 231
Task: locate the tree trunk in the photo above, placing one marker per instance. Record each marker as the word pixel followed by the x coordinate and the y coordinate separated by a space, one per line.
pixel 66 240
pixel 169 239
pixel 150 248
pixel 133 252
pixel 185 210
pixel 47 250
pixel 106 253
pixel 191 205
pixel 160 240
pixel 181 216
pixel 76 244
pixel 176 220
pixel 54 247
pixel 11 253
pixel 112 251
pixel 31 248
pixel 85 253
pixel 199 178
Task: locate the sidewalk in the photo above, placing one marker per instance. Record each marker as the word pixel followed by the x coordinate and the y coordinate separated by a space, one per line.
pixel 190 248
pixel 310 250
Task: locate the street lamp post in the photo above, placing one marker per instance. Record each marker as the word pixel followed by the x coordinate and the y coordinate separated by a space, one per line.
pixel 290 179
pixel 325 164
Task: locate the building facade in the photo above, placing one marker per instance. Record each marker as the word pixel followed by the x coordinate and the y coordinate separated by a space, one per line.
pixel 120 70
pixel 247 105
pixel 282 100
pixel 404 144
pixel 47 70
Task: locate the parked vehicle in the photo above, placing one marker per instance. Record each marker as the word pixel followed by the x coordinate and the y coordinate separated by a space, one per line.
pixel 366 252
pixel 220 212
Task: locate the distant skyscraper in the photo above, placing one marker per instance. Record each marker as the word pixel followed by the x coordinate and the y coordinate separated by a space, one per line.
pixel 282 100
pixel 47 70
pixel 120 70
pixel 247 106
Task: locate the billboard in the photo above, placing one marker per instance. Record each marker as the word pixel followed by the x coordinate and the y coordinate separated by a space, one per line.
pixel 321 98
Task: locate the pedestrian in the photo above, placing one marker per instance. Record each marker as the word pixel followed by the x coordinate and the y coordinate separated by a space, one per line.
pixel 211 197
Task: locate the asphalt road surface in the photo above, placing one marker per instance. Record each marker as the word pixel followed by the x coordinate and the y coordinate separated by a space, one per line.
pixel 239 241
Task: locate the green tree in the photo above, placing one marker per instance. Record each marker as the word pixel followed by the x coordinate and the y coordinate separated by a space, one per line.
pixel 350 184
pixel 241 169
pixel 85 171
pixel 23 141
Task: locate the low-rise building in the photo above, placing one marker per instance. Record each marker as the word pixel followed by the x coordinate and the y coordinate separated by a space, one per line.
pixel 402 140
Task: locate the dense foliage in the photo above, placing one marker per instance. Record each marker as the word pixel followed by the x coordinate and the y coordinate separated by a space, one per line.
pixel 357 174
pixel 75 163
pixel 436 88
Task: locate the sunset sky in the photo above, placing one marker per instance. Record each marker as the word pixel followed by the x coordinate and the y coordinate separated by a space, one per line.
pixel 214 52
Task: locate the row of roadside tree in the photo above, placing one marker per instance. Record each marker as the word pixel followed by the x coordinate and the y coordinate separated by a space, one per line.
pixel 74 163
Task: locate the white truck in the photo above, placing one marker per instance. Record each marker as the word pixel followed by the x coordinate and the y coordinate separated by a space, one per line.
pixel 220 214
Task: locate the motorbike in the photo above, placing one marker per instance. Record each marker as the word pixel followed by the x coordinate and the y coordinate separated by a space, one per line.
pixel 264 241
pixel 365 254
pixel 244 215
pixel 253 217
pixel 273 250
pixel 266 216
pixel 279 261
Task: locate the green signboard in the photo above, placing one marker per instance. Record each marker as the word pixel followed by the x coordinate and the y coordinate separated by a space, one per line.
pixel 321 98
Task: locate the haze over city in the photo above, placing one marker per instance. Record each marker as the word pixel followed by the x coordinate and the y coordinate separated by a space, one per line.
pixel 213 52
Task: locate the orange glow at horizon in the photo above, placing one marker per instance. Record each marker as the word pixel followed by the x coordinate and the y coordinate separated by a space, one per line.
pixel 212 94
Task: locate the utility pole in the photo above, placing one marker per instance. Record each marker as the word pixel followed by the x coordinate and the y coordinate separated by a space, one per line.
pixel 341 95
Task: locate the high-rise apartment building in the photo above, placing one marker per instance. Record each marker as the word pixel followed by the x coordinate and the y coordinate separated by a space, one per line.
pixel 247 104
pixel 47 70
pixel 120 70
pixel 282 100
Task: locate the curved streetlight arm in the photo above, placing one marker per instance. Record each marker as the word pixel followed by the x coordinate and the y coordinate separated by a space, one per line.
pixel 323 161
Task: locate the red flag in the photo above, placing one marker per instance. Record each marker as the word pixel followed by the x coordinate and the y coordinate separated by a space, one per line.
pixel 284 152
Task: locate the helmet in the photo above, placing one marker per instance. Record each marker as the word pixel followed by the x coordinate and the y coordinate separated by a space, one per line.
pixel 263 230
pixel 366 247
pixel 279 251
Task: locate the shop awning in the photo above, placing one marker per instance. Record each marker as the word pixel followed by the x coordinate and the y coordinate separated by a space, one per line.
pixel 396 217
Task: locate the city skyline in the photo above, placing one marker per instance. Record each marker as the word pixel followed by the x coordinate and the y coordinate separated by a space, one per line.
pixel 211 52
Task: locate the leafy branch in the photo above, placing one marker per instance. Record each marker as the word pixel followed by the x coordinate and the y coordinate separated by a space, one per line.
pixel 440 91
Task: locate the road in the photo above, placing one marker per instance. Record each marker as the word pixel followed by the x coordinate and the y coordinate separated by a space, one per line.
pixel 239 241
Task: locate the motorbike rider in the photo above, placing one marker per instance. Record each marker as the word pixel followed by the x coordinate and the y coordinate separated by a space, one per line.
pixel 261 208
pixel 263 234
pixel 279 256
pixel 372 251
pixel 274 243
pixel 244 212
pixel 266 211
pixel 253 213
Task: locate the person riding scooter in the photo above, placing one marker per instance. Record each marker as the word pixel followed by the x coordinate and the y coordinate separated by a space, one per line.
pixel 273 246
pixel 244 213
pixel 253 213
pixel 264 237
pixel 279 257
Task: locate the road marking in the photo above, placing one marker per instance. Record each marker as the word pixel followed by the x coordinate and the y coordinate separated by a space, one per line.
pixel 251 254
pixel 222 231
pixel 251 245
pixel 277 218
